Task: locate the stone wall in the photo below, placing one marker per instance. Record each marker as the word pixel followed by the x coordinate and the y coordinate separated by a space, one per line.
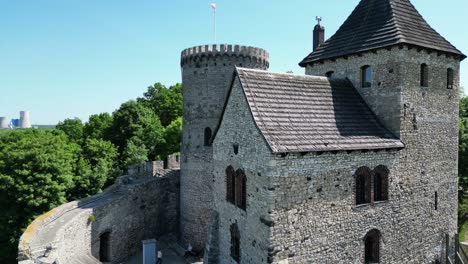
pixel 253 157
pixel 142 205
pixel 426 121
pixel 207 73
pixel 301 207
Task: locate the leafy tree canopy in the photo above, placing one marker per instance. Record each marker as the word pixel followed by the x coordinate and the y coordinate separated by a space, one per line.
pixel 73 128
pixel 165 102
pixel 36 170
pixel 98 126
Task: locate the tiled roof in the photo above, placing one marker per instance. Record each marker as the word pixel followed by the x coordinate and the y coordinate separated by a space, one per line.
pixel 381 23
pixel 310 113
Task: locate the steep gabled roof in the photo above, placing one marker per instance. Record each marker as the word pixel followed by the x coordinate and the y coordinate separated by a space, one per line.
pixel 381 23
pixel 310 113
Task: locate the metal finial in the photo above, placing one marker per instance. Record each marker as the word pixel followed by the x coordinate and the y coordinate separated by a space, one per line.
pixel 319 19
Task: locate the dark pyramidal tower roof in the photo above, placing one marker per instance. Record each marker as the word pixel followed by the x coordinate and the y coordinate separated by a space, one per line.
pixel 381 23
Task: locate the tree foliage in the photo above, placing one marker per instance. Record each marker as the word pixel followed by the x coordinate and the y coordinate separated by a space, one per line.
pixel 73 128
pixel 98 126
pixel 36 171
pixel 135 120
pixel 41 169
pixel 165 102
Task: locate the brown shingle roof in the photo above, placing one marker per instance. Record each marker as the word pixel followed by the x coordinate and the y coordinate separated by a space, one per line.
pixel 381 23
pixel 310 113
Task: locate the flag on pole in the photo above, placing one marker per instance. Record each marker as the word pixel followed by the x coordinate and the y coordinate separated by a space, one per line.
pixel 213 5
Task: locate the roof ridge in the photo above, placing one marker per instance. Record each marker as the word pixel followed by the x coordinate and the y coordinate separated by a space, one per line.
pixel 317 77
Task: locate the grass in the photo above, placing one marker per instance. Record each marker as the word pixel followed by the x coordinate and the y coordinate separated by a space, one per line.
pixel 461 234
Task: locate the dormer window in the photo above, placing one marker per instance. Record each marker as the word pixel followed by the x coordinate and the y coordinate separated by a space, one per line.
pixel 329 74
pixel 449 78
pixel 366 76
pixel 424 75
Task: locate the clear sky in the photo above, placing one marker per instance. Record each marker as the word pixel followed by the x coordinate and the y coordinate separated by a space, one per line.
pixel 73 58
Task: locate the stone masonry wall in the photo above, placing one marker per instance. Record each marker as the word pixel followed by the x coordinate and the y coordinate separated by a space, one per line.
pixel 141 205
pixel 253 157
pixel 301 207
pixel 207 73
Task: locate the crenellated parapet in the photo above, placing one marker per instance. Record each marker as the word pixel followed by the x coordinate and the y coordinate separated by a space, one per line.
pixel 225 55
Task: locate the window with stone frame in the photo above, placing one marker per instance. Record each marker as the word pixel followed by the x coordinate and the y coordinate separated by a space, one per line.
pixel 363 186
pixel 372 247
pixel 381 183
pixel 235 243
pixel 449 78
pixel 366 76
pixel 424 78
pixel 208 133
pixel 230 184
pixel 241 189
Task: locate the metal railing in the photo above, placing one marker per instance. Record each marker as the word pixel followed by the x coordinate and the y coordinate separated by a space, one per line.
pixel 460 256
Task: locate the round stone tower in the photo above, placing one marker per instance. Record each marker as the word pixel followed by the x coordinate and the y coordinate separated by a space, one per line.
pixel 207 73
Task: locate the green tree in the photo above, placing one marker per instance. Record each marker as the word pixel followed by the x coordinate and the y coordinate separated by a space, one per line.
pixel 172 138
pixel 165 102
pixel 36 171
pixel 95 167
pixel 134 119
pixel 98 126
pixel 135 153
pixel 73 128
pixel 463 163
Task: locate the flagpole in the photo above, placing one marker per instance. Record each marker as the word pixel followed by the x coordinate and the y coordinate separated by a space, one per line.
pixel 214 25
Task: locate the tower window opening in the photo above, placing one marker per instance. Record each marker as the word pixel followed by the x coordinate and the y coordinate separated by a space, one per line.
pixel 241 189
pixel 449 78
pixel 235 243
pixel 235 148
pixel 424 75
pixel 207 137
pixel 381 183
pixel 372 247
pixel 329 74
pixel 230 184
pixel 366 76
pixel 363 186
pixel 436 201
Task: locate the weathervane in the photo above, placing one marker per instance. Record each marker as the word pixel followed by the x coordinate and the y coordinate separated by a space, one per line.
pixel 319 19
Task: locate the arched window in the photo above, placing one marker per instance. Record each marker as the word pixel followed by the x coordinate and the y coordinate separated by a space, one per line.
pixel 363 185
pixel 372 247
pixel 449 78
pixel 329 74
pixel 241 189
pixel 424 75
pixel 230 184
pixel 104 247
pixel 235 243
pixel 366 76
pixel 207 136
pixel 381 183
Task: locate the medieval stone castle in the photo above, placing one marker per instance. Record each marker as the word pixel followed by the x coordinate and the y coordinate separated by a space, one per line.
pixel 354 162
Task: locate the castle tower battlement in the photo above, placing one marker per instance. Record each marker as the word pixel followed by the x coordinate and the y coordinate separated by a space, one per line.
pixel 193 57
pixel 207 73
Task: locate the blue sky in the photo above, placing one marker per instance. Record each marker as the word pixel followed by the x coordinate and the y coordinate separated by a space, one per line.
pixel 73 58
